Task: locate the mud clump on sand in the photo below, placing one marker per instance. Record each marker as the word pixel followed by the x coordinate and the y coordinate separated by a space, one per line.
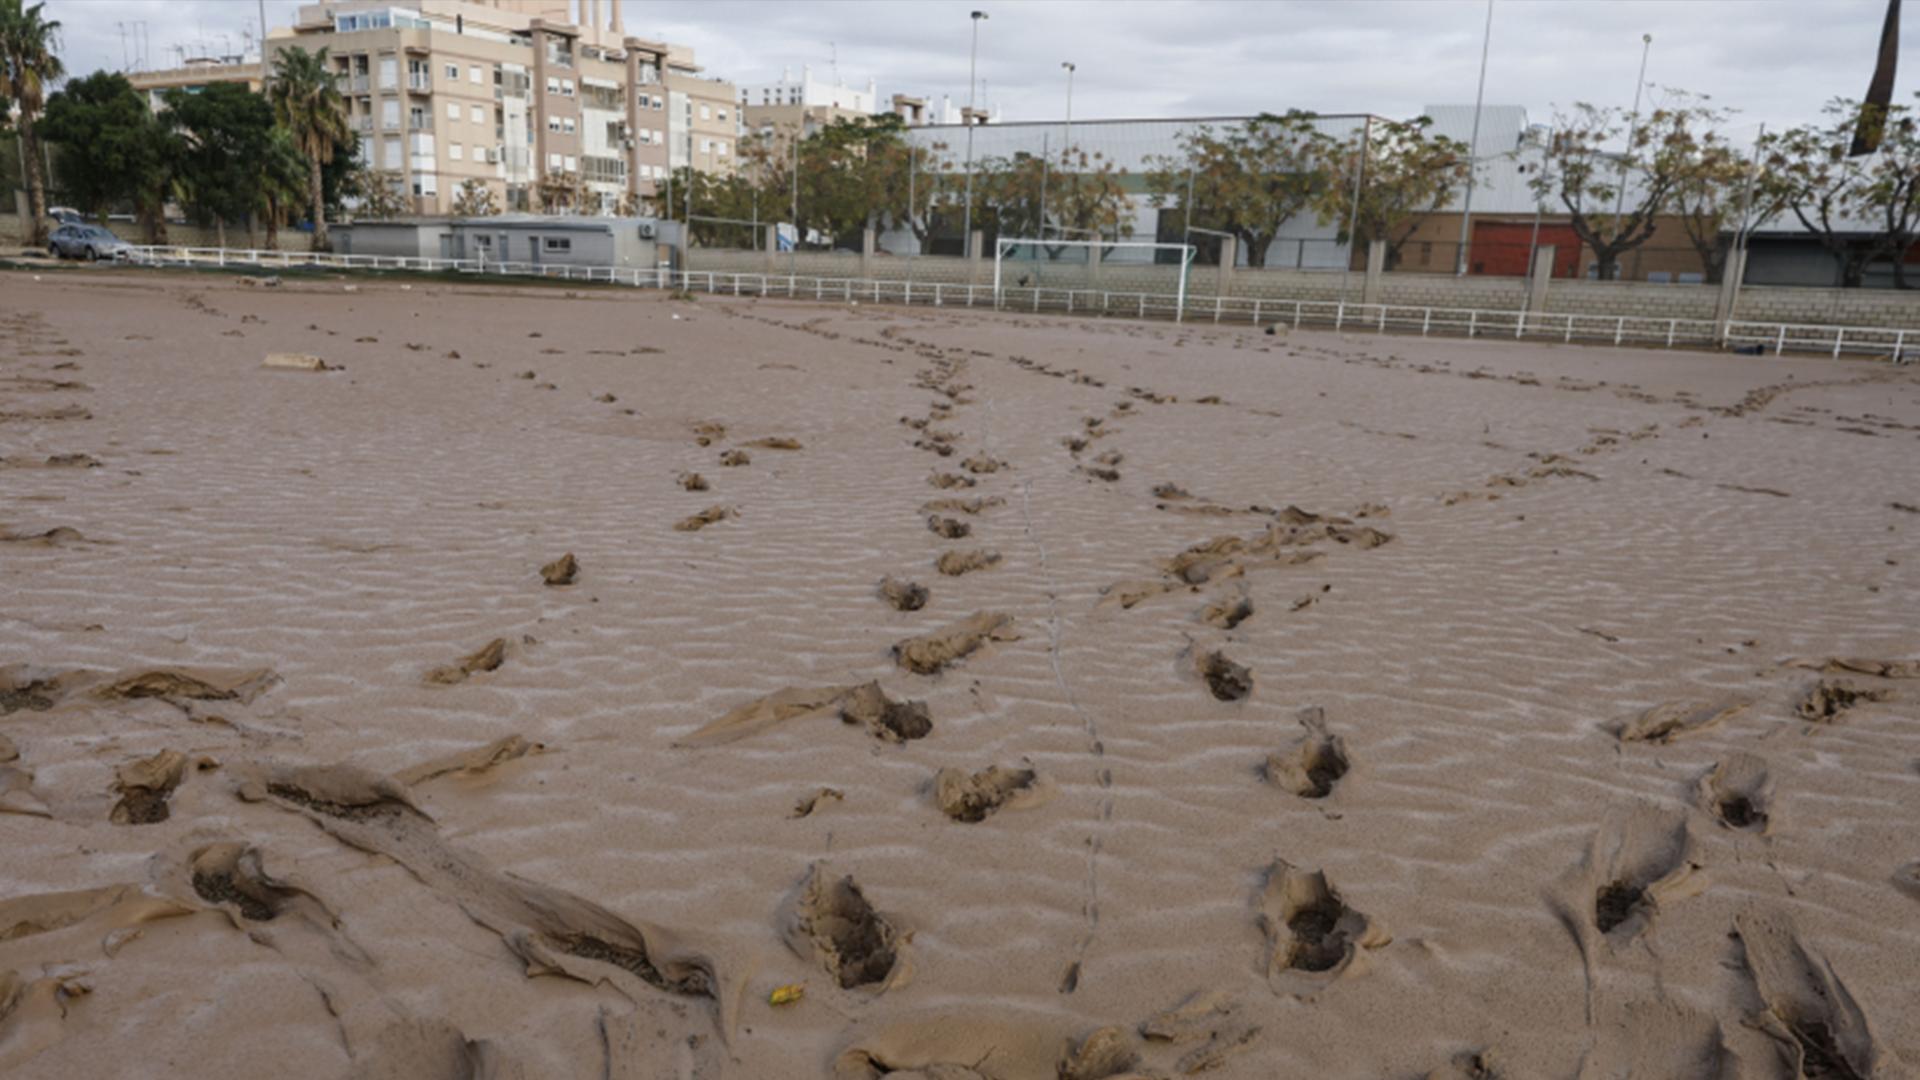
pixel 883 717
pixel 707 433
pixel 948 528
pixel 489 657
pixel 930 653
pixel 1226 680
pixel 1738 793
pixel 766 712
pixel 1313 935
pixel 1678 719
pixel 1314 763
pixel 776 442
pixel 975 505
pixel 956 563
pixel 1830 699
pixel 561 571
pixel 903 595
pixel 1820 1028
pixel 181 684
pixel 947 481
pixel 805 807
pixel 973 797
pixel 1211 1018
pixel 1229 613
pixel 145 786
pixel 230 875
pixel 692 481
pixel 830 921
pixel 696 522
pixel 736 458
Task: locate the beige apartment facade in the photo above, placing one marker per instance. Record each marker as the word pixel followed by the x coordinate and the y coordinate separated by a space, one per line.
pixel 549 104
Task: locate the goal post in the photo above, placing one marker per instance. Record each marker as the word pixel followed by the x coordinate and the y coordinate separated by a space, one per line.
pixel 1024 262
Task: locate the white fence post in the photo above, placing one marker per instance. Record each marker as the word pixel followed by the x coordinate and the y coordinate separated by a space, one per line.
pixel 1473 317
pixel 1838 340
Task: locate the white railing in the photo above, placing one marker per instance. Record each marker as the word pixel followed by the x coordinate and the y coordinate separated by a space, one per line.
pixel 1776 338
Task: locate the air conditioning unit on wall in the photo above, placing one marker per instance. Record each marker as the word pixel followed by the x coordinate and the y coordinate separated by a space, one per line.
pixel 646 230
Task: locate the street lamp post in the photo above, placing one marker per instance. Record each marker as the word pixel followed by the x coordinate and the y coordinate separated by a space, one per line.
pixel 1473 147
pixel 973 57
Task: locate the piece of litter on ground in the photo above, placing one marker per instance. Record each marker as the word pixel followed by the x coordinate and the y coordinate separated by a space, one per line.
pixel 295 362
pixel 787 995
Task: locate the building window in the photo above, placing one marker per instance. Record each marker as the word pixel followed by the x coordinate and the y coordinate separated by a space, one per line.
pixel 453 111
pixel 566 87
pixel 473 74
pixel 706 146
pixel 721 147
pixel 706 112
pixel 721 115
pixel 553 84
pixel 553 161
pixel 557 243
pixel 567 123
pixel 573 164
pixel 553 123
pixel 455 153
pixel 453 72
pixel 477 114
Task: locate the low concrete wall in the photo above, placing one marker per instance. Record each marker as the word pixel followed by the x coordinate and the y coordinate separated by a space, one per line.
pixel 13 234
pixel 1886 308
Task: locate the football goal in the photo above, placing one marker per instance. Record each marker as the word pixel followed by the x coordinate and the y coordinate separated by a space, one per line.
pixel 1027 263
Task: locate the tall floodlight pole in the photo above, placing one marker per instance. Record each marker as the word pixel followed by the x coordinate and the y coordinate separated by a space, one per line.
pixel 973 56
pixel 266 69
pixel 1633 131
pixel 1473 147
pixel 1066 146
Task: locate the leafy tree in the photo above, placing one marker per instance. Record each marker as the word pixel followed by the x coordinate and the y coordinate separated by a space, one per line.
pixel 226 129
pixel 1406 173
pixel 308 104
pixel 1892 193
pixel 475 199
pixel 27 67
pixel 1025 195
pixel 1708 199
pixel 1248 180
pixel 1597 152
pixel 283 183
pixel 112 149
pixel 561 192
pixel 379 194
pixel 1807 170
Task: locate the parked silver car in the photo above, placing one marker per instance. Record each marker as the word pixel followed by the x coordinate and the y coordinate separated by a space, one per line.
pixel 89 242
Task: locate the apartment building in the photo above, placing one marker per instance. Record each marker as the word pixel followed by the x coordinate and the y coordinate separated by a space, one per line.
pixel 805 104
pixel 706 122
pixel 192 75
pixel 512 93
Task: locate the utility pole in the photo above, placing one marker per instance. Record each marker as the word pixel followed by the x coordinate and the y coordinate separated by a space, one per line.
pixel 973 57
pixel 1353 217
pixel 1473 147
pixel 266 68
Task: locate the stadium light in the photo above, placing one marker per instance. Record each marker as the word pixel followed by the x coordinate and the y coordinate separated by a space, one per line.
pixel 973 58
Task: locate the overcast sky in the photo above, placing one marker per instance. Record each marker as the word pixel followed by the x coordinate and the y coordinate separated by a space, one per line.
pixel 1774 60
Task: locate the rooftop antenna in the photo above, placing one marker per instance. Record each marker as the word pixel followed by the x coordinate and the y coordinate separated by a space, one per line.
pixel 833 61
pixel 123 45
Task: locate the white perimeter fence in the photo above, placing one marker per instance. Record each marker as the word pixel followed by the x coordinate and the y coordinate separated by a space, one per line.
pixel 1774 338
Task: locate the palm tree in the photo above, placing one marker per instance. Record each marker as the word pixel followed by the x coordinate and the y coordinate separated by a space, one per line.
pixel 27 65
pixel 308 104
pixel 283 183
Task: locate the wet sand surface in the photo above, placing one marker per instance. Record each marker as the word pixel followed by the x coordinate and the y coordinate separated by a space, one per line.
pixel 1259 705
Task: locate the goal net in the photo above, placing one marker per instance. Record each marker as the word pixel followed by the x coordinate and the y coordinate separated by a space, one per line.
pixel 1024 264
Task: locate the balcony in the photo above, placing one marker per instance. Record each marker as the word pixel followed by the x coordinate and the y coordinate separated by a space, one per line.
pixel 357 84
pixel 419 123
pixel 363 123
pixel 419 83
